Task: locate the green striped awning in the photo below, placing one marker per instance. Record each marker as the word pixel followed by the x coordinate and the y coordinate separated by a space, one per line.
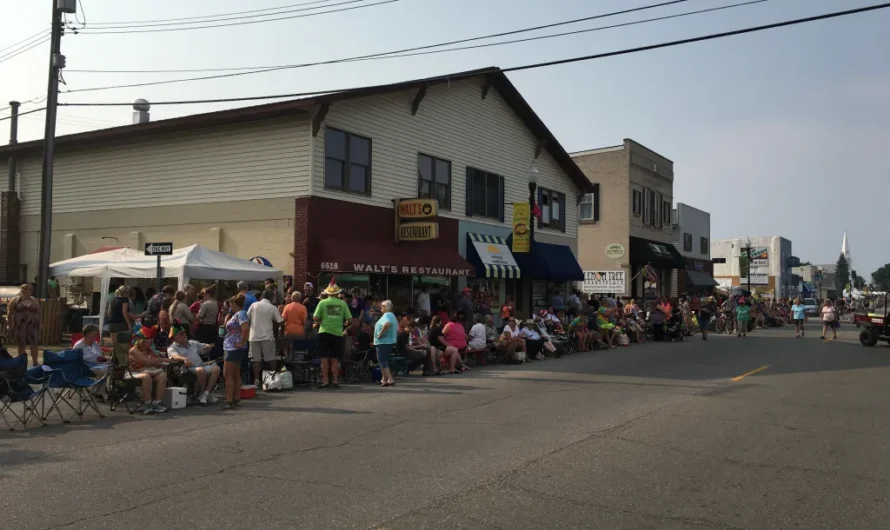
pixel 491 256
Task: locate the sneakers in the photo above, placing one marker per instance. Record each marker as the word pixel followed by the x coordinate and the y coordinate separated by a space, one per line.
pixel 203 399
pixel 158 406
pixel 212 399
pixel 148 408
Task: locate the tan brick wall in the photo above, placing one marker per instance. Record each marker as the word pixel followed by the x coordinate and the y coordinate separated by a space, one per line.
pixel 653 171
pixel 244 229
pixel 610 170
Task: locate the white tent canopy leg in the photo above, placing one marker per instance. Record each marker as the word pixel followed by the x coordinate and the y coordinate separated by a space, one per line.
pixel 103 300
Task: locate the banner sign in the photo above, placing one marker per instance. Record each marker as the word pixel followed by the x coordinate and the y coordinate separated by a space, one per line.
pixel 414 210
pixel 604 282
pixel 521 227
pixel 756 279
pixel 743 265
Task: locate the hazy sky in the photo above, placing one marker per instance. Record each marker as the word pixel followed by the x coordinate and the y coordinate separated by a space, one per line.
pixel 780 132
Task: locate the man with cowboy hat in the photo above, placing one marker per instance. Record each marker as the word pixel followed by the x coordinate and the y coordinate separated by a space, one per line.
pixel 189 352
pixel 330 316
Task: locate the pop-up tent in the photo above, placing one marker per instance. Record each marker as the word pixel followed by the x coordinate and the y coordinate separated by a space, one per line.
pixel 184 264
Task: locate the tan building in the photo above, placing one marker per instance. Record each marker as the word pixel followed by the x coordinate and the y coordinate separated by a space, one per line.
pixel 309 184
pixel 632 209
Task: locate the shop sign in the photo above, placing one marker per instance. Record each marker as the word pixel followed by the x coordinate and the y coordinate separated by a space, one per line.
pixel 603 282
pixel 521 229
pixel 494 254
pixel 373 268
pixel 759 257
pixel 414 210
pixel 615 251
pixel 698 265
pixel 756 279
pixel 418 231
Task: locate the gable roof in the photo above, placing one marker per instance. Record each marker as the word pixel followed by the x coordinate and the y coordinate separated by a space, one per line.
pixel 494 75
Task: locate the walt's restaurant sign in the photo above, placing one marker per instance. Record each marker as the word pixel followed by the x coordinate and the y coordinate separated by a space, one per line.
pixel 415 219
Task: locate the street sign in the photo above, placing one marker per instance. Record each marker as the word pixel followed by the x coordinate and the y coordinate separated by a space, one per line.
pixel 158 249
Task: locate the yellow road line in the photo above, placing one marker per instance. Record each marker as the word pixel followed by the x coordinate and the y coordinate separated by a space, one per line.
pixel 752 372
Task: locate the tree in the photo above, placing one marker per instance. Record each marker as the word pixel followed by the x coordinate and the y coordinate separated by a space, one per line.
pixel 860 281
pixel 881 278
pixel 842 274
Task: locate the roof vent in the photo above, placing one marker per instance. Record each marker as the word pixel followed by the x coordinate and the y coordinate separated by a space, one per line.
pixel 140 114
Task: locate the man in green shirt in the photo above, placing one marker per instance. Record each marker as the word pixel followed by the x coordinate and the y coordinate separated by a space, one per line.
pixel 330 318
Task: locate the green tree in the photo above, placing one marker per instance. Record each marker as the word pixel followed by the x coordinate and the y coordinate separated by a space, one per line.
pixel 881 278
pixel 842 274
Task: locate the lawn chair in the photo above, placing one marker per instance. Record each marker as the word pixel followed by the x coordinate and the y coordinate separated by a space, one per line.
pixel 69 378
pixel 303 362
pixel 14 389
pixel 358 369
pixel 121 384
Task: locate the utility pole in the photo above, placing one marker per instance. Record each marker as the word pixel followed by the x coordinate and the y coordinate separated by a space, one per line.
pixel 13 139
pixel 56 63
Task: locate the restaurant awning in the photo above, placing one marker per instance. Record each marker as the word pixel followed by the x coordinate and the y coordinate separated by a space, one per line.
pixel 659 255
pixel 701 279
pixel 551 262
pixel 338 255
pixel 491 256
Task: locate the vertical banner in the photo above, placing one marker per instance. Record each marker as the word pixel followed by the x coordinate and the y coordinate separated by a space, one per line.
pixel 743 265
pixel 521 228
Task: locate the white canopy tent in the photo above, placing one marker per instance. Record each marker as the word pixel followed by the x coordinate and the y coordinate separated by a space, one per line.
pixel 184 264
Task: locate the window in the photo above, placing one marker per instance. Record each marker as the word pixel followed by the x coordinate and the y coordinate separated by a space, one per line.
pixel 687 242
pixel 485 194
pixel 705 247
pixel 552 205
pixel 347 162
pixel 653 208
pixel 585 208
pixel 434 180
pixel 666 213
pixel 637 203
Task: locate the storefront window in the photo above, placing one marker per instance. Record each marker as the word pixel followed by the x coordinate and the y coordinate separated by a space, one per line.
pixel 400 292
pixel 486 294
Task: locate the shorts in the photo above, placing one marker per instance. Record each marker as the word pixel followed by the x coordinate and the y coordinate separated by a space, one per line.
pixel 798 321
pixel 236 356
pixel 704 322
pixel 262 351
pixel 383 353
pixel 330 346
pixel 207 368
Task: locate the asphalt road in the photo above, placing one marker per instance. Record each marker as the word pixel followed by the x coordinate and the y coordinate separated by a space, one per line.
pixel 654 436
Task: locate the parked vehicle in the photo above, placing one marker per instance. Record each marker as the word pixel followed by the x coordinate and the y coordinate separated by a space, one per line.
pixel 812 306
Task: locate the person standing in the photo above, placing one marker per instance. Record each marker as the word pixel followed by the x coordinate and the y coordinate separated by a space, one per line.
pixel 829 319
pixel 707 309
pixel 207 318
pixel 157 303
pixel 249 298
pixel 330 318
pixel 799 315
pixel 742 316
pixel 423 302
pixel 25 321
pixel 309 298
pixel 263 317
pixel 385 338
pixel 465 306
pixel 235 348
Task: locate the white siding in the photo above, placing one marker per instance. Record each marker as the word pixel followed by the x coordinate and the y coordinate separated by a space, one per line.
pixel 453 123
pixel 259 160
pixel 696 222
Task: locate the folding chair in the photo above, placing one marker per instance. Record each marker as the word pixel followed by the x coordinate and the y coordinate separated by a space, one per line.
pixel 121 384
pixel 304 363
pixel 69 378
pixel 359 367
pixel 14 389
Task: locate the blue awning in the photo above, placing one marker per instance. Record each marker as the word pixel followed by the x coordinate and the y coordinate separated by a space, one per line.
pixel 550 262
pixel 807 287
pixel 491 256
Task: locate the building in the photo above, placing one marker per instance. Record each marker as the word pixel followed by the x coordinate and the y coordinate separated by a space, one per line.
pixel 810 280
pixel 630 211
pixel 311 186
pixel 770 273
pixel 692 238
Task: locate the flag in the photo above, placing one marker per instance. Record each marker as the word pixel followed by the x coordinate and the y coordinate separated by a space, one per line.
pixel 536 211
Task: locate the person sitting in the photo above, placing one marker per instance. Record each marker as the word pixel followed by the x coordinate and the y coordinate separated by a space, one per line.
pixel 512 344
pixel 477 334
pixel 578 327
pixel 440 343
pixel 533 341
pixel 634 327
pixel 185 350
pixel 92 351
pixel 543 329
pixel 420 339
pixel 417 355
pixel 456 336
pixel 149 368
pixel 492 337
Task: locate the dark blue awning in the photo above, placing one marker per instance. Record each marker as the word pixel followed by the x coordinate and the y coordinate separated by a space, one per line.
pixel 550 262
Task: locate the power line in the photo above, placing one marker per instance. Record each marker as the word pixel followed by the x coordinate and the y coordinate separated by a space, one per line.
pixel 32 37
pixel 195 18
pixel 20 51
pixel 244 23
pixel 24 113
pixel 403 50
pixel 626 51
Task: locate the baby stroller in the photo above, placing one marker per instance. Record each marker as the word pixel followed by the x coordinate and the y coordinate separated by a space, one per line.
pixel 674 327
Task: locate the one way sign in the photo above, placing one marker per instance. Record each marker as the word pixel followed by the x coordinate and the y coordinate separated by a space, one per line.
pixel 158 249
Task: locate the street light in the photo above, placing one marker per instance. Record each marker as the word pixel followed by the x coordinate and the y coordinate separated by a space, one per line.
pixel 747 243
pixel 532 187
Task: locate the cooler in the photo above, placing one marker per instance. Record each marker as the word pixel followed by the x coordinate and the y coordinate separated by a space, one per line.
pixel 175 397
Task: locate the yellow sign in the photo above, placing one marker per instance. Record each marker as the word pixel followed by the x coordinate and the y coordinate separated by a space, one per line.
pixel 418 231
pixel 521 227
pixel 418 208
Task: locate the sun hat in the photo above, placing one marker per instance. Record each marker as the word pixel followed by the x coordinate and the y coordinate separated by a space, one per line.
pixel 333 289
pixel 176 329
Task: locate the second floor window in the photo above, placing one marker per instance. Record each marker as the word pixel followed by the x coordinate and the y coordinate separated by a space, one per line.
pixel 552 209
pixel 485 194
pixel 705 247
pixel 347 162
pixel 586 207
pixel 637 203
pixel 434 180
pixel 687 242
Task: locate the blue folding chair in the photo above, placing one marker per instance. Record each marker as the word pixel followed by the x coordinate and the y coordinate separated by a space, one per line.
pixel 68 378
pixel 14 390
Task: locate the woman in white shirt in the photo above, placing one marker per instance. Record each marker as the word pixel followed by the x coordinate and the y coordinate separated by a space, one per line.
pixel 829 319
pixel 477 334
